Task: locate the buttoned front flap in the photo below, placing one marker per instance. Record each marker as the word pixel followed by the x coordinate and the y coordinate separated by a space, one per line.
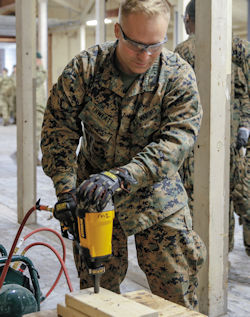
pixel 99 132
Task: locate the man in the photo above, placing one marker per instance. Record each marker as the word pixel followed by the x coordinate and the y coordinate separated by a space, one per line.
pixel 240 111
pixel 5 90
pixel 137 108
pixel 41 76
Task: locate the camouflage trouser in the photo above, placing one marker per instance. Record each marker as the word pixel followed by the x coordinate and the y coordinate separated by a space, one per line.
pixel 241 194
pixel 170 253
pixel 6 109
pixel 187 175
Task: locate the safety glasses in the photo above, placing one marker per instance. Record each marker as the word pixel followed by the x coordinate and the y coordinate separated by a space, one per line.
pixel 139 47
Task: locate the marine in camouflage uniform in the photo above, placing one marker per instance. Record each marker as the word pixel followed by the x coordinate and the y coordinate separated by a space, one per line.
pixel 241 193
pixel 145 123
pixel 13 93
pixel 41 76
pixel 240 111
pixel 5 91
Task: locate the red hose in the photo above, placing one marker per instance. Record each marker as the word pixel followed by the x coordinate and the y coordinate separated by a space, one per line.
pixel 64 253
pixel 7 264
pixel 59 258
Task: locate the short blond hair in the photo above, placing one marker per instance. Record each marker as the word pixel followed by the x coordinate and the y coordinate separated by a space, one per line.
pixel 148 7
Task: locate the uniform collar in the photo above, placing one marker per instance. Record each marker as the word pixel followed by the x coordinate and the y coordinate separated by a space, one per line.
pixel 109 77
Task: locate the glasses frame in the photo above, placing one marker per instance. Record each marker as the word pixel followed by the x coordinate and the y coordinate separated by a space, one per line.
pixel 140 47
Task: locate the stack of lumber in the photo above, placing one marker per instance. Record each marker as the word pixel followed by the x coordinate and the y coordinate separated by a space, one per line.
pixel 86 303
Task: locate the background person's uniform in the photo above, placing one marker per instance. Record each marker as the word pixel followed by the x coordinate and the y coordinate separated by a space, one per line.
pixel 5 100
pixel 240 117
pixel 148 130
pixel 13 95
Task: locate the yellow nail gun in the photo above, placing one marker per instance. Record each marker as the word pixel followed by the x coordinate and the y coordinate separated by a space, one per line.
pixel 94 237
pixel 95 241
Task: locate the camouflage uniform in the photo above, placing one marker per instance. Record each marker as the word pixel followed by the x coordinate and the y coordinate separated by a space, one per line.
pixel 186 50
pixel 41 76
pixel 148 130
pixel 13 95
pixel 240 111
pixel 5 90
pixel 241 57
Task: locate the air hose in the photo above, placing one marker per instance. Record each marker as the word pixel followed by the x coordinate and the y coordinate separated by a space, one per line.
pixel 14 249
pixel 63 267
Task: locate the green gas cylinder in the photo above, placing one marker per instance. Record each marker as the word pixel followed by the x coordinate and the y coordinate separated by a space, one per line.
pixel 16 300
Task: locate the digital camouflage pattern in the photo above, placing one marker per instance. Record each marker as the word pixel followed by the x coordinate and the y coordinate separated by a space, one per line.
pixel 241 193
pixel 241 57
pixel 186 50
pixel 240 117
pixel 13 94
pixel 149 129
pixel 5 97
pixel 170 253
pixel 41 76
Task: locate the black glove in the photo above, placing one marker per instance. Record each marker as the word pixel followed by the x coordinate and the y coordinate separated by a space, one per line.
pixel 242 138
pixel 64 211
pixel 96 191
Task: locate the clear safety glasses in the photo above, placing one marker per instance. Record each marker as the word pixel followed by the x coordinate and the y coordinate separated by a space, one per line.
pixel 140 47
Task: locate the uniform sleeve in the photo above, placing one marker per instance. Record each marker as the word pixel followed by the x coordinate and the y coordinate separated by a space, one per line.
pixel 241 57
pixel 241 93
pixel 180 124
pixel 62 128
pixel 186 53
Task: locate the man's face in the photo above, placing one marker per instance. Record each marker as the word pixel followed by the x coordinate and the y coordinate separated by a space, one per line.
pixel 143 30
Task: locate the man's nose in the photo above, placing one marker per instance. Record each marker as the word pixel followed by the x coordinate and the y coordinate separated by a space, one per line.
pixel 144 54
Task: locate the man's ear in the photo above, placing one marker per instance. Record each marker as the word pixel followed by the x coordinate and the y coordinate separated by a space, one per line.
pixel 117 30
pixel 187 18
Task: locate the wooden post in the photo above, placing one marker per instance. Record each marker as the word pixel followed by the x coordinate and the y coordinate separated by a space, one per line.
pixel 43 36
pixel 211 184
pixel 26 153
pixel 100 26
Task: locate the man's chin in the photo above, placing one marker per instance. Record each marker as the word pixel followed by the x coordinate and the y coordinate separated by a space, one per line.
pixel 138 70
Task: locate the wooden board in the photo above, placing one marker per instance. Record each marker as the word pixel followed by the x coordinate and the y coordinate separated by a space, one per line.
pixel 107 304
pixel 63 311
pixel 44 313
pixel 164 307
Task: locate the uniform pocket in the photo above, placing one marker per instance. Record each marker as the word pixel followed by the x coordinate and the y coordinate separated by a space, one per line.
pixel 180 220
pixel 97 123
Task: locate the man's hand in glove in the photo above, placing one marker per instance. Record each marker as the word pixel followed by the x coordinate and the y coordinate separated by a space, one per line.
pixel 65 208
pixel 242 138
pixel 96 191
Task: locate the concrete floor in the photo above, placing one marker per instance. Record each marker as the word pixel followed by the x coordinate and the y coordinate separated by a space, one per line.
pixel 46 262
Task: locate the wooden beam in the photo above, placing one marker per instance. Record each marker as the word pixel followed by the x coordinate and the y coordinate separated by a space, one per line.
pixel 26 104
pixel 8 39
pixel 7 9
pixel 213 33
pixel 68 5
pixel 106 303
pixel 6 2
